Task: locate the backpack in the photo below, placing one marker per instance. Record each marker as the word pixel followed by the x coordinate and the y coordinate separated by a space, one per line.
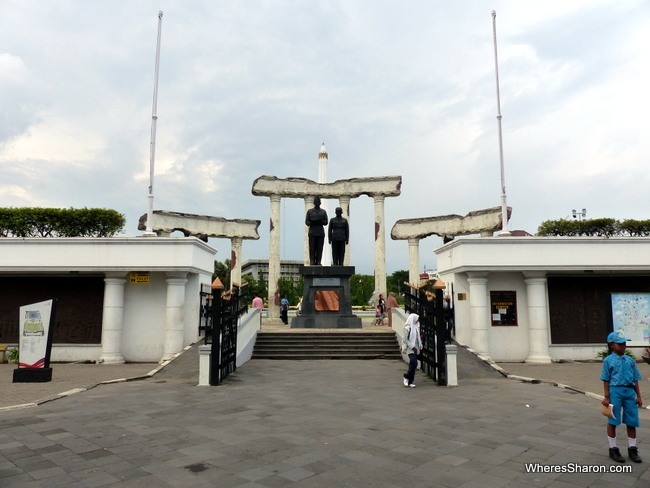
pixel 405 347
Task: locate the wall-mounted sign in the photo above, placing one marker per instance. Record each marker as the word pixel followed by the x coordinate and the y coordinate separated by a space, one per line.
pixel 503 307
pixel 631 315
pixel 139 278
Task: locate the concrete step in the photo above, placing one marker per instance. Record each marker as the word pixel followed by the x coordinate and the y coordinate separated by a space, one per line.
pixel 327 344
pixel 339 355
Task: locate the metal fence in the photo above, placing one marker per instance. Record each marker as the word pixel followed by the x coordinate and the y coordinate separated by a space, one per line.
pixel 429 306
pixel 219 317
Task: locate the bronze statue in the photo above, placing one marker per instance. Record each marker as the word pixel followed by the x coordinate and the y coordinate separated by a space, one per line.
pixel 316 219
pixel 338 234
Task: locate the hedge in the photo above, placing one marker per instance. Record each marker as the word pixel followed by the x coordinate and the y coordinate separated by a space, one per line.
pixel 60 222
pixel 595 227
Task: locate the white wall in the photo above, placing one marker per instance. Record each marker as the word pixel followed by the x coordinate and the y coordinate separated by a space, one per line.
pixel 507 260
pixel 144 313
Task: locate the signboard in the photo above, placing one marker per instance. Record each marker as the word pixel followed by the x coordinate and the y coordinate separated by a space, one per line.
pixel 503 307
pixel 34 330
pixel 139 278
pixel 631 315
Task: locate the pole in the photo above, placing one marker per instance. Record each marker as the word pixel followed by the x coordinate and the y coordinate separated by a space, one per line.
pixel 154 119
pixel 504 205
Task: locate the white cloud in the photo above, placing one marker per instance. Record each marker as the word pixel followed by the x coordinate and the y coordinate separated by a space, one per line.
pixel 253 88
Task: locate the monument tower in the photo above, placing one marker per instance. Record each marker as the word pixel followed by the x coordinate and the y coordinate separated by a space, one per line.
pixel 323 159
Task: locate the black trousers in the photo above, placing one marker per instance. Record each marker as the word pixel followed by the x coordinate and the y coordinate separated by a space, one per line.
pixel 338 253
pixel 316 249
pixel 413 365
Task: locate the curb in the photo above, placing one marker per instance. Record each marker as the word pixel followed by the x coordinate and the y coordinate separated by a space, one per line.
pixel 534 381
pixel 74 391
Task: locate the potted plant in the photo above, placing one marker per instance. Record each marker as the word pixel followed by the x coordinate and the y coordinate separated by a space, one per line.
pixel 603 353
pixel 12 355
pixel 646 355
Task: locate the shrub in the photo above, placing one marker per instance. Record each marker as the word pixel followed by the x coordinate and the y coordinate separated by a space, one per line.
pixel 60 222
pixel 604 227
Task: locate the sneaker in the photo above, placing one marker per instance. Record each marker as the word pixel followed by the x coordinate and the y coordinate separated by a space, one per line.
pixel 412 385
pixel 406 382
pixel 633 454
pixel 615 454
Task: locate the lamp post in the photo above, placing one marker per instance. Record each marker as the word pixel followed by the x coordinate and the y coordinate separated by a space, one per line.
pixel 579 215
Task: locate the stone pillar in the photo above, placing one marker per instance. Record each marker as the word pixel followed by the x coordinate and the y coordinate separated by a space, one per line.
pixel 274 257
pixel 235 260
pixel 175 311
pixel 538 336
pixel 380 246
pixel 414 260
pixel 309 203
pixel 344 203
pixel 113 318
pixel 479 313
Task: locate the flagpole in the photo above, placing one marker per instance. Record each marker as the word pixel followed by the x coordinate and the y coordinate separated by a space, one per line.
pixel 154 118
pixel 504 205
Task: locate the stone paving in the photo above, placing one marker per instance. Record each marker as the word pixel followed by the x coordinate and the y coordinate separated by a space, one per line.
pixel 311 424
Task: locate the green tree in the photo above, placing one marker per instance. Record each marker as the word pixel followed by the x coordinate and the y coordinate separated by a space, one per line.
pixel 255 287
pixel 288 290
pixel 60 222
pixel 396 283
pixel 222 271
pixel 361 289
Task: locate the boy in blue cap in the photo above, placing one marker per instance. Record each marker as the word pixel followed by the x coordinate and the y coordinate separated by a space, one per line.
pixel 621 383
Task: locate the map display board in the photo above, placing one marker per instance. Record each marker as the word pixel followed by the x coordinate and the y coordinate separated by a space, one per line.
pixel 631 315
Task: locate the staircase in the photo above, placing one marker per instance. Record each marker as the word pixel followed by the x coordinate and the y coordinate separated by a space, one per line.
pixel 327 344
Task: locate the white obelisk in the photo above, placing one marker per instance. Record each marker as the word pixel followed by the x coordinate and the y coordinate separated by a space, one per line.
pixel 322 178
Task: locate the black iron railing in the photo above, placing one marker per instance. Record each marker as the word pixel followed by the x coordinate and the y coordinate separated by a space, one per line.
pixel 429 306
pixel 219 319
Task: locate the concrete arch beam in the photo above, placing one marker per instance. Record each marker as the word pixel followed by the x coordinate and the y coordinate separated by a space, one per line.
pixel 389 186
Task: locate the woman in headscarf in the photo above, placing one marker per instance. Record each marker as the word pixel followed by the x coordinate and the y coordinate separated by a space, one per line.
pixel 413 346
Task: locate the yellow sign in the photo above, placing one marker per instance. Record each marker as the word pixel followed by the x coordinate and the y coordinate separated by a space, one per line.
pixel 139 278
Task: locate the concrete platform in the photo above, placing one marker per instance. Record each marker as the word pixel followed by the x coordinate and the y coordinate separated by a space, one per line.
pixel 310 424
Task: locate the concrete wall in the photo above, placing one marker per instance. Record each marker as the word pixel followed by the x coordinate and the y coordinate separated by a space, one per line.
pixel 508 261
pixel 144 312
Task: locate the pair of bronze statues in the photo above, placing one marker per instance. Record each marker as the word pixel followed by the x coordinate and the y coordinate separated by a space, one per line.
pixel 338 234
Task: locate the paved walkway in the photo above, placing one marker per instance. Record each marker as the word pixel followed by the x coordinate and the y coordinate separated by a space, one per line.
pixel 309 424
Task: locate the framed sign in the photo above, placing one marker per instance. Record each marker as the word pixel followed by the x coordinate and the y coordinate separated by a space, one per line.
pixel 631 315
pixel 503 307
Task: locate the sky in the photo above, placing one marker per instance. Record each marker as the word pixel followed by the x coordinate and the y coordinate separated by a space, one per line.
pixel 251 88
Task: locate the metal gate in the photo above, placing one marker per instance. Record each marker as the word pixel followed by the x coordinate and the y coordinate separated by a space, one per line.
pixel 218 321
pixel 429 306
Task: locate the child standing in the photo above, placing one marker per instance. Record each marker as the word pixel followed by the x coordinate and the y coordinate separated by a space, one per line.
pixel 378 320
pixel 621 388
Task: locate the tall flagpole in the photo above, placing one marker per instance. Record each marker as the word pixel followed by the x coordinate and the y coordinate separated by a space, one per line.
pixel 504 205
pixel 154 118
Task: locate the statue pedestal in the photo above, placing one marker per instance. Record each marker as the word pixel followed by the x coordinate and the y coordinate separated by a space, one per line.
pixel 326 300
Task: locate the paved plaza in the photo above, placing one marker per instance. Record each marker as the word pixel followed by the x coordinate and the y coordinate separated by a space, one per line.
pixel 308 424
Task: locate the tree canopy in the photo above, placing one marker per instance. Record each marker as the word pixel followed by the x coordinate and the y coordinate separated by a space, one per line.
pixel 60 222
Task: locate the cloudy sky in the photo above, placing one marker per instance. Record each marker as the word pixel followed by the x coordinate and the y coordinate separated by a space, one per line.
pixel 250 88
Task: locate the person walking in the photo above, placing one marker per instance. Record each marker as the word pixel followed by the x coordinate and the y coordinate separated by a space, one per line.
pixel 258 303
pixel 620 378
pixel 284 310
pixel 413 347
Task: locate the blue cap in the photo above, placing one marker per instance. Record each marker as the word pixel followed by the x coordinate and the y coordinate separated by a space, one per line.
pixel 617 337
